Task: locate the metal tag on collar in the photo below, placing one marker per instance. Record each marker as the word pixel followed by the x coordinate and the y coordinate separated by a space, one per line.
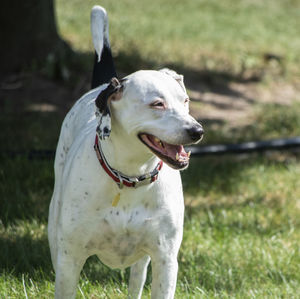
pixel 144 180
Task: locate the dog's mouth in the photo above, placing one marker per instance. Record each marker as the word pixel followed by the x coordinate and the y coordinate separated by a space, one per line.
pixel 172 154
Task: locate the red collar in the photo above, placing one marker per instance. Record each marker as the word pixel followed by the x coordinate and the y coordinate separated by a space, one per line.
pixel 122 179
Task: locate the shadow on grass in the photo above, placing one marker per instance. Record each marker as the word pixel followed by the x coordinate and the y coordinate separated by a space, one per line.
pixel 80 65
pixel 213 173
pixel 25 189
pixel 25 101
pixel 25 254
pixel 30 255
pixel 195 78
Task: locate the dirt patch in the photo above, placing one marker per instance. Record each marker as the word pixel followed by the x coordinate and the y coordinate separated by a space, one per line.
pixel 35 92
pixel 234 103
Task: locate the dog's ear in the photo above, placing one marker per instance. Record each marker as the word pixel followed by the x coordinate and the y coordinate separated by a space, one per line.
pixel 113 92
pixel 174 75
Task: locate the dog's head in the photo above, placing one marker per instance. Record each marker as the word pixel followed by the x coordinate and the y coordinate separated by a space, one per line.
pixel 152 106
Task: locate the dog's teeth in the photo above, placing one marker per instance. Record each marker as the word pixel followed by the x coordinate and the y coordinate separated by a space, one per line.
pixel 157 140
pixel 177 156
pixel 189 153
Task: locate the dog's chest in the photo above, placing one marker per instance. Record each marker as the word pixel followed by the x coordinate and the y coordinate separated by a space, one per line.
pixel 123 234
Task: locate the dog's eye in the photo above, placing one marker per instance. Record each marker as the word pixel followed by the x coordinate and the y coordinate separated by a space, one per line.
pixel 158 104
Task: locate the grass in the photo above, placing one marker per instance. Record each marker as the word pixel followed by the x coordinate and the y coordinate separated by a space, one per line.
pixel 220 36
pixel 268 121
pixel 240 240
pixel 242 227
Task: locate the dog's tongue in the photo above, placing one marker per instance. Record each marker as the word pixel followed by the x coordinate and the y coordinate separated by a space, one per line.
pixel 166 148
pixel 172 150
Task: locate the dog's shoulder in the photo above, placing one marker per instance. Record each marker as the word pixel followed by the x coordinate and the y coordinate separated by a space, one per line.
pixel 82 113
pixel 78 120
pixel 83 110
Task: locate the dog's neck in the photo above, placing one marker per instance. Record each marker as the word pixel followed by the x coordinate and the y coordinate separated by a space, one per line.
pixel 127 154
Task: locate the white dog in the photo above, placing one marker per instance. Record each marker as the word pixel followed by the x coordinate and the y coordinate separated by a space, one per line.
pixel 118 191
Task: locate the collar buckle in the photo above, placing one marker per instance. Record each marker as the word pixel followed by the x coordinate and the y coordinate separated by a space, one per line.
pixel 146 180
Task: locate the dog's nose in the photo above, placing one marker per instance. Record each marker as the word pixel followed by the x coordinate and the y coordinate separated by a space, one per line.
pixel 195 132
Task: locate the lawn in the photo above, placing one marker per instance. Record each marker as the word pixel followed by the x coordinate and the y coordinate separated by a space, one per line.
pixel 229 36
pixel 242 224
pixel 241 237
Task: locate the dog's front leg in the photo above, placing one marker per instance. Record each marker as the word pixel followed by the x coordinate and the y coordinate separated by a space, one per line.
pixel 164 276
pixel 138 274
pixel 67 274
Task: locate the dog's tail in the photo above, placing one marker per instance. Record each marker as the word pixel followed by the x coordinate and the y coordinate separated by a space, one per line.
pixel 104 68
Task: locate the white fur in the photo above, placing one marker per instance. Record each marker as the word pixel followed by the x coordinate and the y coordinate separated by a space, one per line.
pixel 99 28
pixel 148 221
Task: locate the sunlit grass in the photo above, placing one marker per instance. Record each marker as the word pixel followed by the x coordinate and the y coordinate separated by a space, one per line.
pixel 267 121
pixel 230 36
pixel 241 237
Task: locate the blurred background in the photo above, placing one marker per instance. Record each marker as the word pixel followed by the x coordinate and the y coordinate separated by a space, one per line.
pixel 240 60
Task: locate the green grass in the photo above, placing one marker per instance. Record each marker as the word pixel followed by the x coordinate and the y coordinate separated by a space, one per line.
pixel 241 237
pixel 242 227
pixel 219 36
pixel 268 121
